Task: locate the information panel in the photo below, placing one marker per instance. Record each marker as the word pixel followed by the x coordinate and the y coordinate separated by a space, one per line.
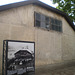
pixel 18 57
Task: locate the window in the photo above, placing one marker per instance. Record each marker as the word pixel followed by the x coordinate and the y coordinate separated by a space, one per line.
pixel 37 19
pixel 42 21
pixel 56 25
pixel 48 23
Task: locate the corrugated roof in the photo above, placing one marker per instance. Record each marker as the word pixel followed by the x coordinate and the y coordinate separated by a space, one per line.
pixel 39 3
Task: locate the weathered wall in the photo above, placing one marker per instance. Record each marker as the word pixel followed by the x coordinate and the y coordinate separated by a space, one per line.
pixel 68 42
pixel 54 47
pixel 50 46
pixel 16 24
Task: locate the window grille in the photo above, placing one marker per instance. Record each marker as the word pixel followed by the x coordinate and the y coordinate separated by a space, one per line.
pixel 48 23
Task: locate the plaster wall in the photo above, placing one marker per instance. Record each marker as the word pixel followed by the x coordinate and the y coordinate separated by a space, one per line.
pixel 50 46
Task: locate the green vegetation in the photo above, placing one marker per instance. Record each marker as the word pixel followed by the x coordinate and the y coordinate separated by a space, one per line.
pixel 67 6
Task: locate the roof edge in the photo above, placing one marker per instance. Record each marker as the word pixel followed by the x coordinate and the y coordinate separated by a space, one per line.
pixel 17 4
pixel 39 3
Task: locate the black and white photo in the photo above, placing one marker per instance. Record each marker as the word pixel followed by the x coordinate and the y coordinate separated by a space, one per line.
pixel 20 58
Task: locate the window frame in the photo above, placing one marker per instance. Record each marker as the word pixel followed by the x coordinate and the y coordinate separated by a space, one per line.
pixel 57 25
pixel 35 19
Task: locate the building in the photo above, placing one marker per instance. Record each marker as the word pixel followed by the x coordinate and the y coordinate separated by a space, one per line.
pixel 23 54
pixel 50 29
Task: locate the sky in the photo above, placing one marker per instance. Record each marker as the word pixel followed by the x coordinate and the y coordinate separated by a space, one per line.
pixel 4 2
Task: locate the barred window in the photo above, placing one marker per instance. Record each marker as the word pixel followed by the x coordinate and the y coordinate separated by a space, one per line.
pixel 56 25
pixel 42 21
pixel 48 23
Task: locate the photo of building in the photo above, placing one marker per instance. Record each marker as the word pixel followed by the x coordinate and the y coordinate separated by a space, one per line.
pixel 23 60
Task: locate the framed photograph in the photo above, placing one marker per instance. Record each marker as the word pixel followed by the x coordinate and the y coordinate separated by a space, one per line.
pixel 18 57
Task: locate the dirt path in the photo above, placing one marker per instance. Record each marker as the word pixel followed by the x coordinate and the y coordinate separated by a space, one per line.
pixel 62 71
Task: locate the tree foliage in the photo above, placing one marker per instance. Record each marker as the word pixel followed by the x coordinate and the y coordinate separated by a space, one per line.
pixel 67 6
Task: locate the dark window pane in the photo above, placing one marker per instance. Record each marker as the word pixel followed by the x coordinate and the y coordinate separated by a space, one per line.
pixel 52 21
pixel 37 23
pixel 47 25
pixel 42 25
pixel 53 27
pixel 37 16
pixel 56 25
pixel 42 18
pixel 60 23
pixel 56 28
pixel 60 29
pixel 47 19
pixel 56 22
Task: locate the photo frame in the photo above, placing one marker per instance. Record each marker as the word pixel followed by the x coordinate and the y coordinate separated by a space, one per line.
pixel 18 57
